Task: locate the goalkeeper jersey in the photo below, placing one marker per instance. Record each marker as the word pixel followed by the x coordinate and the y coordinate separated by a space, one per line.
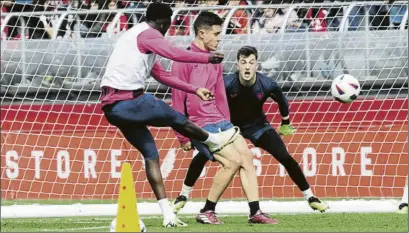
pixel 246 103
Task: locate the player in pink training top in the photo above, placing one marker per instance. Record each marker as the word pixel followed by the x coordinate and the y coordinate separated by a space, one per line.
pixel 214 116
pixel 126 106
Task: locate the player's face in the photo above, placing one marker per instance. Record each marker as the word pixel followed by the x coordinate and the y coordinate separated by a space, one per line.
pixel 211 37
pixel 247 67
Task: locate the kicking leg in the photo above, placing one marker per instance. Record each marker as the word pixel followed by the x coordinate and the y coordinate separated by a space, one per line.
pixel 147 110
pixel 271 142
pixel 215 141
pixel 161 114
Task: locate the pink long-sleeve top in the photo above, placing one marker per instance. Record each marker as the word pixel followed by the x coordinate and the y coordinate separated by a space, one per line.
pixel 152 41
pixel 204 75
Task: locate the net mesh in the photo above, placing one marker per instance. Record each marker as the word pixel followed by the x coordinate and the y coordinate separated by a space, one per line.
pixel 56 144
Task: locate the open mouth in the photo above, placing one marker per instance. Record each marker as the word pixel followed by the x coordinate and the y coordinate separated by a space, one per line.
pixel 246 73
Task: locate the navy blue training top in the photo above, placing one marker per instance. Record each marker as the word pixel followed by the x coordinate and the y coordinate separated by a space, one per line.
pixel 246 103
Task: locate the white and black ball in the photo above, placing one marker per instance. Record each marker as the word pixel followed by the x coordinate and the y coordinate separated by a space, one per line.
pixel 345 88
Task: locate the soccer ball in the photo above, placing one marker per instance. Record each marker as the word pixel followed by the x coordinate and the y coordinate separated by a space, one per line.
pixel 345 88
pixel 113 225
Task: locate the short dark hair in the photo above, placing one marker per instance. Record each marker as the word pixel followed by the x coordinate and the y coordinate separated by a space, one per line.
pixel 246 51
pixel 206 19
pixel 157 10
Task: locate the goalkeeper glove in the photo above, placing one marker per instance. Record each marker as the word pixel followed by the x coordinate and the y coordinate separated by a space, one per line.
pixel 286 129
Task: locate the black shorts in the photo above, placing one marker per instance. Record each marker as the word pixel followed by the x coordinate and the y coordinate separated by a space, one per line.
pixel 254 130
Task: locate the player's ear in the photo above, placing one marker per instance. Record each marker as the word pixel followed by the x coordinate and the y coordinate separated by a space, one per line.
pixel 237 65
pixel 201 33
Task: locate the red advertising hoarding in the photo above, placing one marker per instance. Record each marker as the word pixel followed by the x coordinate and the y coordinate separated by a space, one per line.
pixel 71 152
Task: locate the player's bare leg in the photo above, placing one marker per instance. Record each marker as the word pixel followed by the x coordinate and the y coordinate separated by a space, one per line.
pixel 230 165
pixel 248 175
pixel 155 179
pixel 154 176
pixel 232 156
pixel 215 142
pixel 224 175
pixel 249 183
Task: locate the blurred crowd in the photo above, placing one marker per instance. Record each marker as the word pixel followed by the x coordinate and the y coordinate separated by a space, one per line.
pixel 383 16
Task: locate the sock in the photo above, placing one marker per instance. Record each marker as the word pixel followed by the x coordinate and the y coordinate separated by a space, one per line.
pixel 209 206
pixel 213 139
pixel 307 194
pixel 186 190
pixel 285 121
pixel 166 209
pixel 405 195
pixel 254 207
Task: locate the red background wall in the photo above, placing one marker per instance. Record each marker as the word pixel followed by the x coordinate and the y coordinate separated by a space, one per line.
pixel 322 125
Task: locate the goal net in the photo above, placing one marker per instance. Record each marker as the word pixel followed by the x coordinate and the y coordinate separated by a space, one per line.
pixel 56 144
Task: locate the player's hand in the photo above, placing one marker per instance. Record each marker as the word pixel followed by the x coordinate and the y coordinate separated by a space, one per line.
pixel 187 146
pixel 205 94
pixel 286 130
pixel 216 57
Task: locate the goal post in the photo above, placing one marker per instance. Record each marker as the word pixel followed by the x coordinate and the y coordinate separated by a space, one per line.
pixel 57 145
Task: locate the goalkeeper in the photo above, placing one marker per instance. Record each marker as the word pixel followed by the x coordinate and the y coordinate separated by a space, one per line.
pixel 247 90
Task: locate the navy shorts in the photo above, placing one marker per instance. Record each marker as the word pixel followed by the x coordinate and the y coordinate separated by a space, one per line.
pixel 212 128
pixel 254 130
pixel 133 116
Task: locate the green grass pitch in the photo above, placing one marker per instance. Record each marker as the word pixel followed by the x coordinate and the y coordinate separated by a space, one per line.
pixel 346 222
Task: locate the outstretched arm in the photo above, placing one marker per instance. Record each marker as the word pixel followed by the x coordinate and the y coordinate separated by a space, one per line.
pixel 151 41
pixel 278 95
pixel 160 74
